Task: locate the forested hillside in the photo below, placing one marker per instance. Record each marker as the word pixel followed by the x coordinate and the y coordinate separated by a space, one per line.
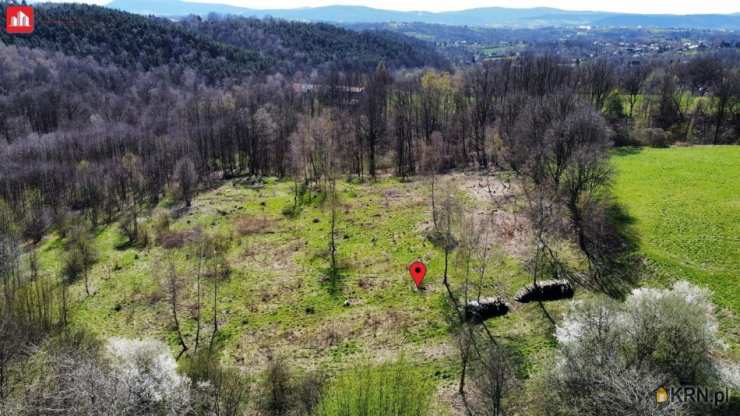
pixel 294 45
pixel 233 48
pixel 133 41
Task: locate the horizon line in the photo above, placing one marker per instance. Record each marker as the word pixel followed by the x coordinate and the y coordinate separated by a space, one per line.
pixel 222 3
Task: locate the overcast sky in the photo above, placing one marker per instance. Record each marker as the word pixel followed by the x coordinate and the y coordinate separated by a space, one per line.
pixel 630 6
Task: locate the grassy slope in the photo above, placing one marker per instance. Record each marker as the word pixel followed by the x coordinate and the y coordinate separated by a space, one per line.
pixel 685 203
pixel 682 200
pixel 277 275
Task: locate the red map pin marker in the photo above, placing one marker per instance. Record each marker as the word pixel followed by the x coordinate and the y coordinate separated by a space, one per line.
pixel 418 270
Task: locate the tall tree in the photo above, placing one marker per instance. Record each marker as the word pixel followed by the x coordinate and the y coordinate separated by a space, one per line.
pixel 373 123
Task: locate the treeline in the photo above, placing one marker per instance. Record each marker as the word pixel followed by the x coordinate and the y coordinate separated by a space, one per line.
pixel 79 135
pixel 218 49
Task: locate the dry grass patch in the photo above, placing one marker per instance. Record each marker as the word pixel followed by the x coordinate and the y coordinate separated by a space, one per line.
pixel 249 225
pixel 171 239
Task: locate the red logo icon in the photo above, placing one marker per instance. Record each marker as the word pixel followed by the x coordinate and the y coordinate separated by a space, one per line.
pixel 418 270
pixel 19 19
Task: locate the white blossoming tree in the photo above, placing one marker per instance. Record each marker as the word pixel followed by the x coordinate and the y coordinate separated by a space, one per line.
pixel 147 375
pixel 613 355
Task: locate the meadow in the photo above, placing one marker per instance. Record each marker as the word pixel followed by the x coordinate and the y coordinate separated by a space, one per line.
pixel 279 300
pixel 684 205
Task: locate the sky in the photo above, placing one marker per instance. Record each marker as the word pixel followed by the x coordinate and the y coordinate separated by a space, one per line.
pixel 627 6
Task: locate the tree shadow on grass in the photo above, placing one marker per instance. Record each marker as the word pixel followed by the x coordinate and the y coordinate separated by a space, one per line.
pixel 621 262
pixel 333 280
pixel 124 245
pixel 624 224
pixel 626 151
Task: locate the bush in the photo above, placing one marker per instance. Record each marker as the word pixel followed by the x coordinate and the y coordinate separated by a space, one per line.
pixel 216 390
pixel 612 355
pixel 439 239
pixel 653 137
pixel 160 223
pixel 79 256
pixel 291 210
pixel 73 376
pixel 283 393
pixel 276 392
pixel 35 216
pixel 148 374
pixel 397 389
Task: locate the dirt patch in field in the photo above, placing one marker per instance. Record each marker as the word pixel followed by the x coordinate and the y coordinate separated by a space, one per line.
pixel 496 205
pixel 248 225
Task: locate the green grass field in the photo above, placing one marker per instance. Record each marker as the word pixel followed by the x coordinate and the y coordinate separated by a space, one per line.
pixel 277 299
pixel 685 204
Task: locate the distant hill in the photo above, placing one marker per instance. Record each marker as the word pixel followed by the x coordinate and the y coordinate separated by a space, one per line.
pixel 233 47
pixel 133 41
pixel 489 16
pixel 697 21
pixel 294 45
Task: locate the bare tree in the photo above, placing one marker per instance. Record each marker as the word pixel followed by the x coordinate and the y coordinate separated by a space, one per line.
pixel 80 256
pixel 494 380
pixel 186 178
pixel 600 81
pixel 133 191
pixel 373 123
pixel 727 102
pixel 171 282
pixel 330 177
pixel 480 84
pixel 633 80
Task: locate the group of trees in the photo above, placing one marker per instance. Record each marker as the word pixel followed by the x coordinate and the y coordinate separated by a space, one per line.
pixel 85 141
pixel 218 48
pixel 295 46
pixel 105 141
pixel 613 355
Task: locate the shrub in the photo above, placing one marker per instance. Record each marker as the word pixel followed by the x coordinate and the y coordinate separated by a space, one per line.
pixel 281 392
pixel 217 390
pixel 291 211
pixel 79 257
pixel 439 239
pixel 276 392
pixel 612 356
pixel 73 376
pixel 148 373
pixel 35 215
pixel 653 137
pixel 389 389
pixel 160 223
